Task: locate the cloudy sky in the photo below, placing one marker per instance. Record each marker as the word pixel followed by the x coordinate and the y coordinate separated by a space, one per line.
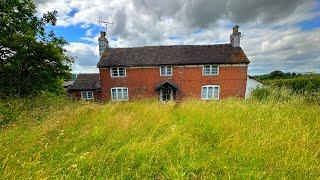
pixel 277 34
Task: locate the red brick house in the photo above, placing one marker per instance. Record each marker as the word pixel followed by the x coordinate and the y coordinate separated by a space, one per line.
pixel 173 72
pixel 86 87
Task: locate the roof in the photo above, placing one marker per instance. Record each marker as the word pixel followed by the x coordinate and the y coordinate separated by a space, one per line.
pixel 167 84
pixel 173 55
pixel 251 77
pixel 86 82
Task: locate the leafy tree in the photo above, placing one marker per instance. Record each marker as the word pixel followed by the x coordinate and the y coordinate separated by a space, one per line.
pixel 277 74
pixel 31 59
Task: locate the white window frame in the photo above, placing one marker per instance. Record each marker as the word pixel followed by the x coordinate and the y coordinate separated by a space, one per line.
pixel 211 67
pixel 119 88
pixel 166 70
pixel 118 72
pixel 161 94
pixel 213 98
pixel 86 95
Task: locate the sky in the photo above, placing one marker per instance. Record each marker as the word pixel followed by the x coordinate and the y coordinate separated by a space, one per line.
pixel 277 35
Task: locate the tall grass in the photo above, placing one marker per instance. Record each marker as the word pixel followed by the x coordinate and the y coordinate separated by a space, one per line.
pixel 285 94
pixel 15 109
pixel 307 83
pixel 147 139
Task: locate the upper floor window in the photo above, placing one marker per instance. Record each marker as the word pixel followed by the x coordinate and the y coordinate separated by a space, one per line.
pixel 210 92
pixel 87 95
pixel 209 70
pixel 119 94
pixel 166 71
pixel 118 72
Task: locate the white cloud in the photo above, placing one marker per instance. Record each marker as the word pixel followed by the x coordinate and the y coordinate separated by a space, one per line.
pixel 272 40
pixel 86 57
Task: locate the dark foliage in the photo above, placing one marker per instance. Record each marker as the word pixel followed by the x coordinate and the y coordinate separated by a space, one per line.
pixel 31 59
pixel 278 75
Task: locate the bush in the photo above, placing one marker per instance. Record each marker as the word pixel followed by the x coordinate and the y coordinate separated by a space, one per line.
pixel 304 84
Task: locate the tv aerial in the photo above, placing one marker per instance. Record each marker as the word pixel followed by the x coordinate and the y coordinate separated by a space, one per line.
pixel 105 23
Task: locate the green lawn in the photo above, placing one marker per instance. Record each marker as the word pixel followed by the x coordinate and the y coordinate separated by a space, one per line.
pixel 147 139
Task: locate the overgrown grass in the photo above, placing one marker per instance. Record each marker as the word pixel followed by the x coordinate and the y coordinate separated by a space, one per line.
pixel 147 139
pixel 285 94
pixel 15 109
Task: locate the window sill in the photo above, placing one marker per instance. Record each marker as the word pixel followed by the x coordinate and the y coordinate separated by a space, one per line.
pixel 210 74
pixel 118 76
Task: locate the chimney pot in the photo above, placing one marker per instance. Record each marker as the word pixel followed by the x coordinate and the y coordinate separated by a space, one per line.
pixel 235 36
pixel 103 34
pixel 235 29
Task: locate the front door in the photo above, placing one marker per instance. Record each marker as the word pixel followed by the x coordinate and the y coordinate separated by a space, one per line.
pixel 166 95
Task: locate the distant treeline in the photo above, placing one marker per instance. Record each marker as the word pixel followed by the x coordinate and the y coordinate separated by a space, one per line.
pixel 280 75
pixel 297 82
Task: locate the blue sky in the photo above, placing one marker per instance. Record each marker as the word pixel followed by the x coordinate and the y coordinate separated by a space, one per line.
pixel 277 35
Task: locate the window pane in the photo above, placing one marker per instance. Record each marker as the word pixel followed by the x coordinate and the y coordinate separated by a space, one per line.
pixel 114 94
pixel 114 72
pixel 119 93
pixel 206 70
pixel 125 93
pixel 121 72
pixel 90 95
pixel 216 92
pixel 210 92
pixel 204 92
pixel 214 70
pixel 163 71
pixel 169 70
pixel 84 95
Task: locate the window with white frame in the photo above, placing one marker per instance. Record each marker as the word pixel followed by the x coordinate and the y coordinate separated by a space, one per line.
pixel 210 92
pixel 119 94
pixel 87 95
pixel 165 70
pixel 210 70
pixel 118 72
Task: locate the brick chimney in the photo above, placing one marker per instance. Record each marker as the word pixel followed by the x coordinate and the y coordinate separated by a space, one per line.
pixel 235 37
pixel 103 42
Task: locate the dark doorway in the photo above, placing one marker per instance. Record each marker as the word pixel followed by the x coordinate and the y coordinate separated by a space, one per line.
pixel 167 91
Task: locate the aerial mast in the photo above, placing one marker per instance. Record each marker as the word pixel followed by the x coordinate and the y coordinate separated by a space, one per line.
pixel 103 41
pixel 105 23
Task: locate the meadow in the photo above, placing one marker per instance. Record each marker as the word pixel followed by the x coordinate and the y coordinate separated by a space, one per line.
pixel 54 137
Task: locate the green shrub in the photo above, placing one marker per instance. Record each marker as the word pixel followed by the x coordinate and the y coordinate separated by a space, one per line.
pixel 298 85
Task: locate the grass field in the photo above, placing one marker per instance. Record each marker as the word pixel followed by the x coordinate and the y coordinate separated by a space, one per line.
pixel 147 139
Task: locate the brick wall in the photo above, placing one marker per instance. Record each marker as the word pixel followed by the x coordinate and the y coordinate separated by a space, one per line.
pixel 141 82
pixel 77 94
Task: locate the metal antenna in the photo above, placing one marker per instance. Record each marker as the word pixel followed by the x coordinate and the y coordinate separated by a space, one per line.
pixel 106 23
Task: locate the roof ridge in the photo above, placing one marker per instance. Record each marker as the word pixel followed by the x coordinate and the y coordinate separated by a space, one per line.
pixel 187 45
pixel 88 74
pixel 174 55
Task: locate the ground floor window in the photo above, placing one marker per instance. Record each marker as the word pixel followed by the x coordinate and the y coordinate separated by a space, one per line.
pixel 166 95
pixel 87 95
pixel 210 92
pixel 119 94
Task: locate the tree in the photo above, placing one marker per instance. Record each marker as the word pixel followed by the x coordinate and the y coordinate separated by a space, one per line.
pixel 31 59
pixel 277 74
